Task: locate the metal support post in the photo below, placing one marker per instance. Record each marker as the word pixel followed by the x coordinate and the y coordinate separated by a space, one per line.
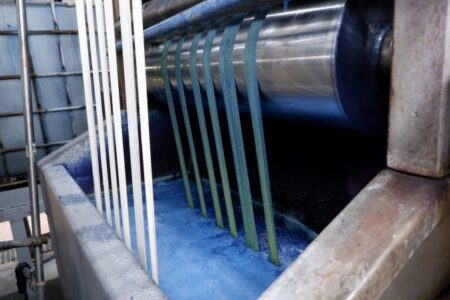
pixel 30 144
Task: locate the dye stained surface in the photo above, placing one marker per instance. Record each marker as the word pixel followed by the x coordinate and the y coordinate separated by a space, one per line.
pixel 197 260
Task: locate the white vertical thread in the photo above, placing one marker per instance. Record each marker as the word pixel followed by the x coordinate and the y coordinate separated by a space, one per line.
pixel 130 92
pixel 112 57
pixel 84 54
pixel 145 131
pixel 98 108
pixel 107 102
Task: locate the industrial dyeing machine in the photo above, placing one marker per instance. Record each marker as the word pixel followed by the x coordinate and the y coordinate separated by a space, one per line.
pixel 288 140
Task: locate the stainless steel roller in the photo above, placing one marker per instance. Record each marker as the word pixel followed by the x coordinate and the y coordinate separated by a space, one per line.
pixel 321 62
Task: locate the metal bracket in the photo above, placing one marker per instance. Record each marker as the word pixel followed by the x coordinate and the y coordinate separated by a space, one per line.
pixel 419 129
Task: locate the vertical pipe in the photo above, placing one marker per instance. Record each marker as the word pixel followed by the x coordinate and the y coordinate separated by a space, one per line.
pixel 30 142
pixel 145 131
pixel 98 107
pixel 211 96
pixel 187 124
pixel 107 103
pixel 35 89
pixel 87 83
pixel 173 120
pixel 130 92
pixel 118 135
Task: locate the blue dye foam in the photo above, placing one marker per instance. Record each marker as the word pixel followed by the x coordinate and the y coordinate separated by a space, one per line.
pixel 197 260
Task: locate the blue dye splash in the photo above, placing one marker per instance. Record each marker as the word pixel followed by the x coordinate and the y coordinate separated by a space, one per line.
pixel 197 260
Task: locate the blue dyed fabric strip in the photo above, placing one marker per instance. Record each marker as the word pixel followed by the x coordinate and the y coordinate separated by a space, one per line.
pixel 234 124
pixel 212 104
pixel 175 128
pixel 258 130
pixel 187 123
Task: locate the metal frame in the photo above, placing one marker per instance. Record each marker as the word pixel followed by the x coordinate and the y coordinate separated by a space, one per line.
pixel 63 67
pixel 70 108
pixel 38 283
pixel 41 32
pixel 18 149
pixel 419 129
pixel 45 75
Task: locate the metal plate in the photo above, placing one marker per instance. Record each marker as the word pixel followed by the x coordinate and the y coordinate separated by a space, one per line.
pixel 419 128
pixel 51 128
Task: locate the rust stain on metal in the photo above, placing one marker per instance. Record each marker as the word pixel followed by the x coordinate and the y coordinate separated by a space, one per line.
pixel 419 127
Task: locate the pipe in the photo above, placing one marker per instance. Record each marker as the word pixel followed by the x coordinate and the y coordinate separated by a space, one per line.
pixel 42 32
pixel 318 62
pixel 157 10
pixel 31 242
pixel 200 12
pixel 42 111
pixel 30 143
pixel 19 149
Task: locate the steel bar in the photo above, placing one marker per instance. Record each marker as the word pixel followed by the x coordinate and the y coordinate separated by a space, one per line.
pixel 175 128
pixel 44 75
pixel 42 111
pixel 18 149
pixel 234 125
pixel 87 83
pixel 42 32
pixel 30 143
pixel 204 130
pixel 63 67
pixel 37 102
pixel 112 57
pixel 133 131
pixel 258 131
pixel 100 19
pixel 99 108
pixel 31 242
pixel 145 132
pixel 211 96
pixel 190 137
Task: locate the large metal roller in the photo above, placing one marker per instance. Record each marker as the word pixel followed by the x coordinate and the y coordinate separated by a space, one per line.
pixel 325 62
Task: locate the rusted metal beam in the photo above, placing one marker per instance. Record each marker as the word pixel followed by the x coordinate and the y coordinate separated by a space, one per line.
pixel 30 242
pixel 419 106
pixel 390 242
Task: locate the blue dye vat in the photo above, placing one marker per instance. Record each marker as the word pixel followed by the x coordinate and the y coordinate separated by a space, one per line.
pixel 197 260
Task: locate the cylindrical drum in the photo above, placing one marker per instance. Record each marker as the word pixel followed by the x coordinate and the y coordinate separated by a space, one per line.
pixel 316 61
